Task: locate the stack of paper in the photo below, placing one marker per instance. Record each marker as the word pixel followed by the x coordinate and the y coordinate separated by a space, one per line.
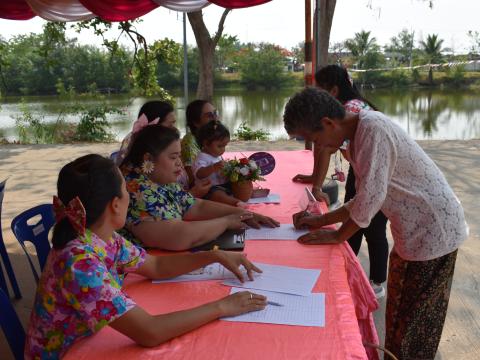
pixel 209 272
pixel 270 199
pixel 295 310
pixel 283 232
pixel 291 289
pixel 283 279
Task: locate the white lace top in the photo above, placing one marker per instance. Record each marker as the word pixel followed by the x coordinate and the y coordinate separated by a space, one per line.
pixel 393 174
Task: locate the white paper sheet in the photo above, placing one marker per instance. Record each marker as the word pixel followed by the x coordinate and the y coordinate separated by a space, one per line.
pixel 296 310
pixel 283 232
pixel 209 272
pixel 270 199
pixel 284 279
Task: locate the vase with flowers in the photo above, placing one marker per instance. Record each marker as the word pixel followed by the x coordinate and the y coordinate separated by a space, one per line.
pixel 242 173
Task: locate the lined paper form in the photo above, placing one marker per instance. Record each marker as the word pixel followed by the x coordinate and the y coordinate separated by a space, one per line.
pixel 284 279
pixel 296 310
pixel 283 232
pixel 270 199
pixel 209 272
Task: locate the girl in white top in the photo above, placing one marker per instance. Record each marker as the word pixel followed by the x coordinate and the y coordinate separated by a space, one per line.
pixel 212 139
pixel 394 175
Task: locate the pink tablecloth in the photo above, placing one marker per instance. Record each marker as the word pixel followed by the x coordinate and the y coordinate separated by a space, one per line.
pixel 339 339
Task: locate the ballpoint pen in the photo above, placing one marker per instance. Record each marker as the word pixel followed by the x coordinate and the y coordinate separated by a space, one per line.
pixel 274 303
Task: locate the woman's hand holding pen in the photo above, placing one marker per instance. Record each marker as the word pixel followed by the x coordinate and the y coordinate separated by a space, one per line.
pixel 305 219
pixel 240 303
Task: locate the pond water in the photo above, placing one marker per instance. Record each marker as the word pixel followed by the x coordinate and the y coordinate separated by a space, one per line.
pixel 424 114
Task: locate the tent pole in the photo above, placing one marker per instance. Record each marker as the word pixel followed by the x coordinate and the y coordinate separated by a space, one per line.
pixel 308 52
pixel 185 64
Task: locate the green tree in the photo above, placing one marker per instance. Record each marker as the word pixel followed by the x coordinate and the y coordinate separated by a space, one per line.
pixel 299 52
pixel 263 65
pixel 225 51
pixel 206 47
pixel 364 49
pixel 475 42
pixel 432 51
pixel 401 46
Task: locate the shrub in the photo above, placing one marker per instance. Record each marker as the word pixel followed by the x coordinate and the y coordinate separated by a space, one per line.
pixel 244 132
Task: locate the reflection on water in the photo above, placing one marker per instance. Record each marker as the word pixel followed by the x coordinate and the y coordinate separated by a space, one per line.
pixel 424 114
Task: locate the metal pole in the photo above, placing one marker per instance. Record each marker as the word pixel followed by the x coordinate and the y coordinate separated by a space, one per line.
pixel 316 34
pixel 185 63
pixel 307 72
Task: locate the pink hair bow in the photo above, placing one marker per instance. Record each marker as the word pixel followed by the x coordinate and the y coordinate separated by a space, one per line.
pixel 74 212
pixel 142 122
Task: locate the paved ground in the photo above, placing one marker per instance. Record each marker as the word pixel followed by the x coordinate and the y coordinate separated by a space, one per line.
pixel 32 172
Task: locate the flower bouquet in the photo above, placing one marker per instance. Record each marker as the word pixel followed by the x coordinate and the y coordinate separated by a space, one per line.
pixel 241 173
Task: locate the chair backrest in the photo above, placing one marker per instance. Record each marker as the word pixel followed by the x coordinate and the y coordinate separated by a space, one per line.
pixel 114 156
pixel 36 233
pixel 11 326
pixel 2 193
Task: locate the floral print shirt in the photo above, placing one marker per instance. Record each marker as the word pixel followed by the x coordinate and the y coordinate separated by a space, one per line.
pixel 150 201
pixel 355 105
pixel 190 149
pixel 80 292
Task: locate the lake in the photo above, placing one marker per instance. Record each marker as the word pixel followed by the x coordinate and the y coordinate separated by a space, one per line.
pixel 424 114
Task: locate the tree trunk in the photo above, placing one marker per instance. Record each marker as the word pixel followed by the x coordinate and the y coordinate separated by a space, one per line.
pixel 430 76
pixel 325 18
pixel 206 48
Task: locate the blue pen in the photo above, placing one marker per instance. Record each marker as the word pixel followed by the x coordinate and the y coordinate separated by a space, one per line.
pixel 274 303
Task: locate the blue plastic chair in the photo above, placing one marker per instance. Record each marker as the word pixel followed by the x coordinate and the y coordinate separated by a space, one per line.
pixel 5 259
pixel 37 233
pixel 11 326
pixel 114 155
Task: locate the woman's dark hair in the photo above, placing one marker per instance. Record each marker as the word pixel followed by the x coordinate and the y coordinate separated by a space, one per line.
pixel 335 75
pixel 155 109
pixel 194 114
pixel 96 181
pixel 306 108
pixel 151 140
pixel 211 131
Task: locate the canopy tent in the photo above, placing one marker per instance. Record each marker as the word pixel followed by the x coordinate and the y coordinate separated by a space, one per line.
pixel 110 10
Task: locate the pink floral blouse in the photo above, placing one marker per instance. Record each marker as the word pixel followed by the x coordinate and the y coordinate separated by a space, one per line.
pixel 80 292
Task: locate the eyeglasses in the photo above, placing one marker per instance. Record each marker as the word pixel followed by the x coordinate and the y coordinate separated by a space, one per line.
pixel 212 114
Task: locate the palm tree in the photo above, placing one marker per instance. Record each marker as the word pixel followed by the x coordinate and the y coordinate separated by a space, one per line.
pixel 361 45
pixel 432 49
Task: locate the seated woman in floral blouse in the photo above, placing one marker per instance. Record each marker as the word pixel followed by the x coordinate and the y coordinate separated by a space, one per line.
pixel 160 213
pixel 80 290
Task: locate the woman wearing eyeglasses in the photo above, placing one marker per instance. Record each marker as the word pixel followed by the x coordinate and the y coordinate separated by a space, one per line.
pixel 199 112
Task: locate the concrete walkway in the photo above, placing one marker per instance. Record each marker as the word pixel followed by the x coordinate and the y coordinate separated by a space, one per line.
pixel 33 170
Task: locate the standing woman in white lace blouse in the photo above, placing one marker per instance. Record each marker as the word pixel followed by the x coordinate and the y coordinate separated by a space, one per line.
pixel 394 175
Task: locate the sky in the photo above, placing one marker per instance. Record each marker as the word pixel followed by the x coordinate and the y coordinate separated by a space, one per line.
pixel 282 22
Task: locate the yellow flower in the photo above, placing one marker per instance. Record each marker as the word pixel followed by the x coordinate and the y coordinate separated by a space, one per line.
pixel 55 340
pixel 49 302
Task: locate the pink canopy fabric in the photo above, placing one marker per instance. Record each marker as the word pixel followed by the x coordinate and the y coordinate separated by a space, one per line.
pixel 110 10
pixel 236 4
pixel 60 10
pixel 15 10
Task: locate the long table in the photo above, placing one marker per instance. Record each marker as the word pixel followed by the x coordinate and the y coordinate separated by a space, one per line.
pixel 339 339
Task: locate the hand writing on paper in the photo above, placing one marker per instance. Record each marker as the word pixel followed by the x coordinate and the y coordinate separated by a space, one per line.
pixel 320 195
pixel 257 220
pixel 233 261
pixel 322 236
pixel 241 302
pixel 304 219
